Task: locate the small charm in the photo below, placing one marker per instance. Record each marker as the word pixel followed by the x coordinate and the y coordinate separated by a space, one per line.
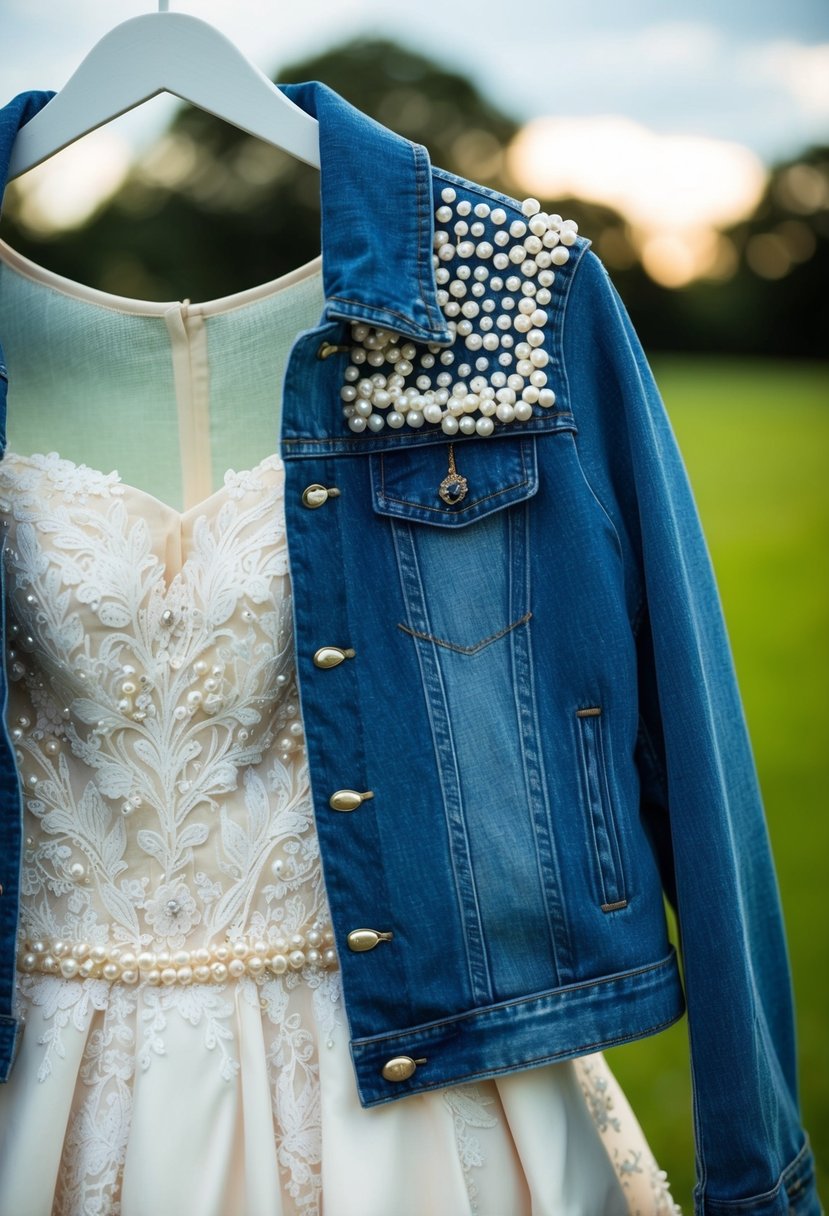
pixel 453 487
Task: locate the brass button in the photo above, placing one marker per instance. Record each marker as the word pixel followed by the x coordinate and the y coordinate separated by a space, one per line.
pixel 315 495
pixel 326 349
pixel 400 1068
pixel 332 656
pixel 361 940
pixel 348 800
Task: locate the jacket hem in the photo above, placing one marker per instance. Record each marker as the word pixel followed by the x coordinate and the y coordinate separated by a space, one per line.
pixel 794 1194
pixel 525 1033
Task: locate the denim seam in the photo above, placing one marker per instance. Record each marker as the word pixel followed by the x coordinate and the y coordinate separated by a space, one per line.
pixel 430 637
pixel 618 977
pixel 534 426
pixel 567 1053
pixel 480 979
pixel 755 1200
pixel 393 312
pixel 563 300
pixel 424 186
pixel 530 737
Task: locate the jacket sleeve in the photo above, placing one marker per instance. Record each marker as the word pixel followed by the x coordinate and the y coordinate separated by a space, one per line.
pixel 698 783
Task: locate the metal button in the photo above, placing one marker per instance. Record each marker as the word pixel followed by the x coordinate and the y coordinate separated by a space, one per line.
pixel 348 800
pixel 326 349
pixel 332 656
pixel 360 940
pixel 401 1068
pixel 315 494
pixel 1 888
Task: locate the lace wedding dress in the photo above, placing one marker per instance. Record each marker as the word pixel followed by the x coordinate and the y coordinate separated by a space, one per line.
pixel 186 1049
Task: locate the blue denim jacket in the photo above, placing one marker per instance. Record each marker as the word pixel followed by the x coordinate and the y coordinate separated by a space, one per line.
pixel 522 717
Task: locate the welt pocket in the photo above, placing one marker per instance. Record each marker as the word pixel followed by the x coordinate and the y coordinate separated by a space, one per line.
pixel 602 826
pixel 406 483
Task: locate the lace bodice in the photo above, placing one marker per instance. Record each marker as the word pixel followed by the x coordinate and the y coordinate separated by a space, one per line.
pixel 151 680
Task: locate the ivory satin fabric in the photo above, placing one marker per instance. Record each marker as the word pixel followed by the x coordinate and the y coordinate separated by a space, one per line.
pixel 142 496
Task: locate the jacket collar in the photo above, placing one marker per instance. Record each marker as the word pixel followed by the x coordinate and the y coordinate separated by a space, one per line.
pixel 377 212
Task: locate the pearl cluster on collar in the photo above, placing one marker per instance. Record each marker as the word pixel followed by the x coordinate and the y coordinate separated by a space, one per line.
pixel 494 277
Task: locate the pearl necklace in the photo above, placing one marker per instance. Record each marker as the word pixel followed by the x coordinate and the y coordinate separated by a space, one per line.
pixel 487 262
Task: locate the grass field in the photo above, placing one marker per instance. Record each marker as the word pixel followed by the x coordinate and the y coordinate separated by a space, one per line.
pixel 755 439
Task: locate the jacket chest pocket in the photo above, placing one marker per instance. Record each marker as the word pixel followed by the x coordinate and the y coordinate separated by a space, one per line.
pixel 462 555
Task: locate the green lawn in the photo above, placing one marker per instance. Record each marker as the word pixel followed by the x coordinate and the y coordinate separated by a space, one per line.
pixel 755 438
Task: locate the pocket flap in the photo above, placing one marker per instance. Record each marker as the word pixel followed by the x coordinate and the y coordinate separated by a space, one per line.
pixel 406 483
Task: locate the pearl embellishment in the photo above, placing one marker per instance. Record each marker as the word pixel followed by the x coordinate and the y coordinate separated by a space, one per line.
pixel 313 947
pixel 494 293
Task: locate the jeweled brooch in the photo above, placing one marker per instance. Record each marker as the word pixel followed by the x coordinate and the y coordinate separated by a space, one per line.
pixel 494 278
pixel 453 487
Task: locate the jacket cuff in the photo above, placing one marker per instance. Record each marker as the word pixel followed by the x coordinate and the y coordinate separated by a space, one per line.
pixel 794 1195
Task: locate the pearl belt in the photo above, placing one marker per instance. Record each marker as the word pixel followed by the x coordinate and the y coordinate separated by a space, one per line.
pixel 205 965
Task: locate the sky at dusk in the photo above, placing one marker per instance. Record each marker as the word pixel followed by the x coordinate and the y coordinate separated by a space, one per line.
pixel 668 110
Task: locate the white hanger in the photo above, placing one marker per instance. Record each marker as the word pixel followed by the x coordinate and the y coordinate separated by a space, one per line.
pixel 165 52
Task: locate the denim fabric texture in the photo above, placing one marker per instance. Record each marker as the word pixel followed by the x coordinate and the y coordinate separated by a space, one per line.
pixel 542 701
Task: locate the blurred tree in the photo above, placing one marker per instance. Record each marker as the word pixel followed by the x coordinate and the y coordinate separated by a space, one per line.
pixel 210 210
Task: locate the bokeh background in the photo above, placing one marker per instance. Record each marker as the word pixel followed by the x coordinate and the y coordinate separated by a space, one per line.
pixel 691 143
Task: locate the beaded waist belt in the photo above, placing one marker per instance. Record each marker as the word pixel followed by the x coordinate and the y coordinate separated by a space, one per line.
pixel 205 965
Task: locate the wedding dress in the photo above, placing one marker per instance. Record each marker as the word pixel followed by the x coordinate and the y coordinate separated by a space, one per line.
pixel 186 1049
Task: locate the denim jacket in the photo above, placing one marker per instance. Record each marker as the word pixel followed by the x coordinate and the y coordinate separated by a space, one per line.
pixel 522 717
